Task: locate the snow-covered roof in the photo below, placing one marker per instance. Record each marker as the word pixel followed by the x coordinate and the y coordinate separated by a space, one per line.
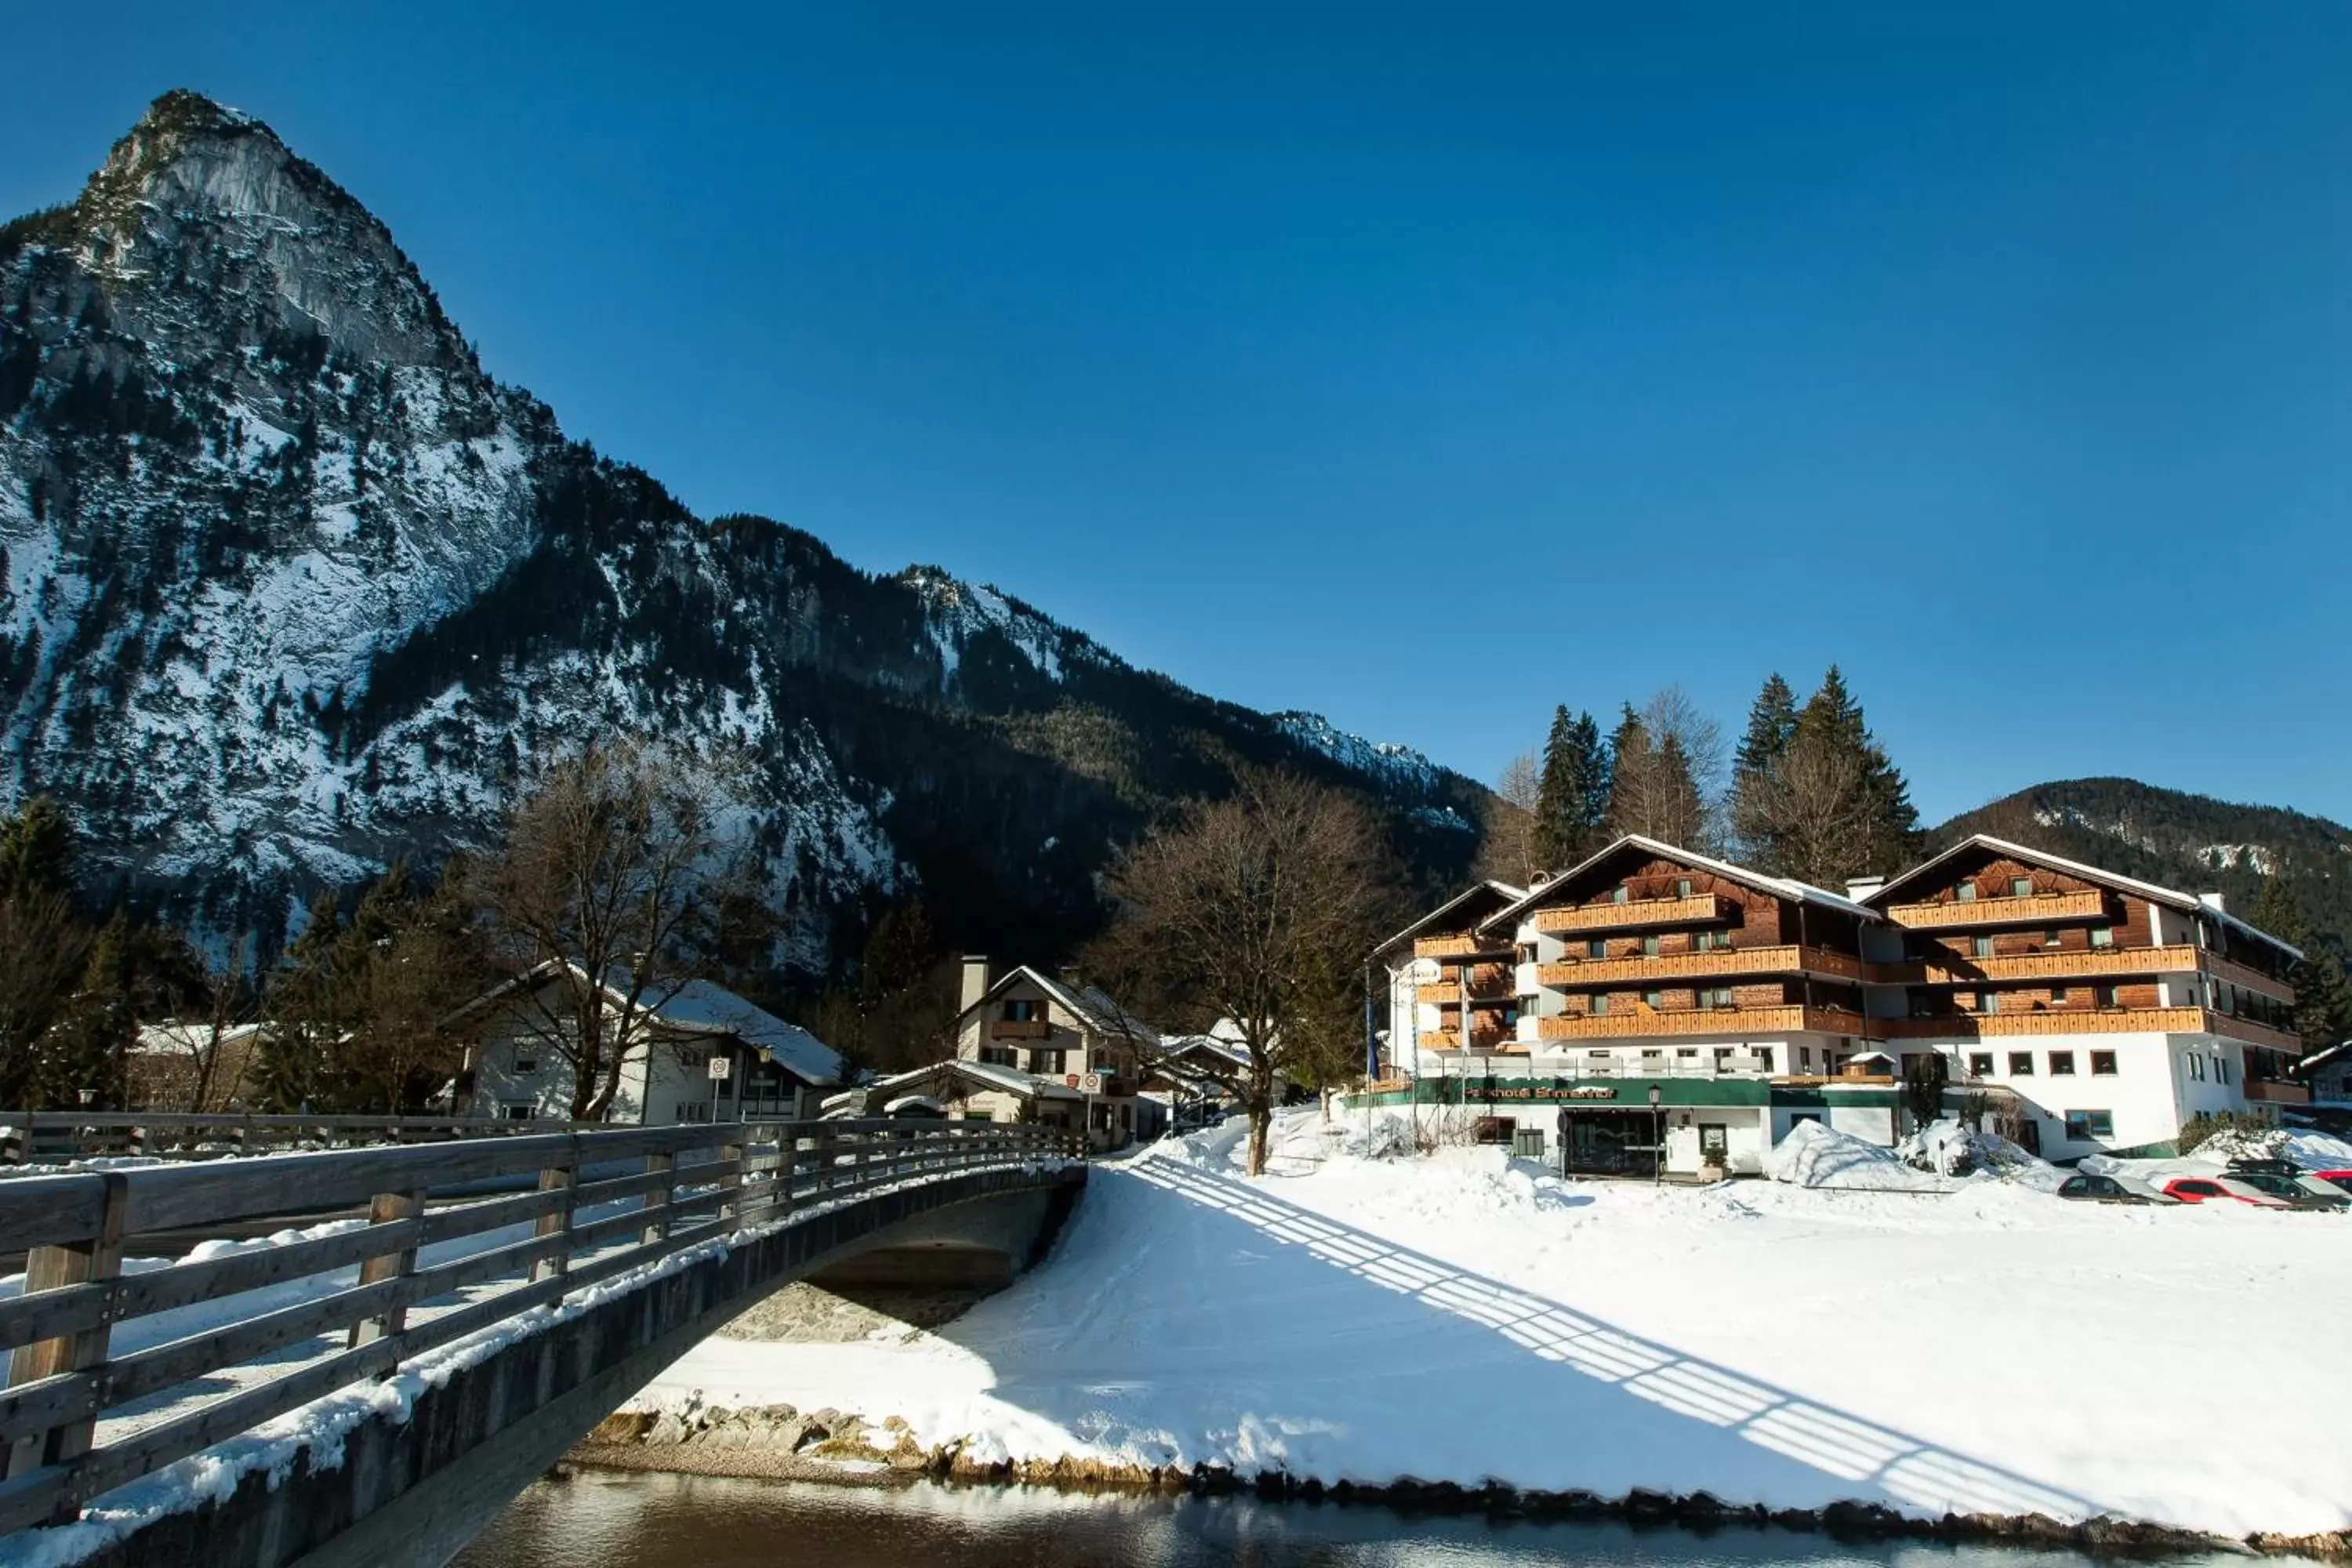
pixel 1508 893
pixel 1784 887
pixel 697 1007
pixel 180 1037
pixel 984 1075
pixel 1090 1004
pixel 2150 890
pixel 2324 1055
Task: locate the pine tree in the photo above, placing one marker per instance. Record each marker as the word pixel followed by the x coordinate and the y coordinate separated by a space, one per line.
pixel 1595 777
pixel 2323 998
pixel 1771 727
pixel 1629 755
pixel 1888 826
pixel 37 851
pixel 1558 804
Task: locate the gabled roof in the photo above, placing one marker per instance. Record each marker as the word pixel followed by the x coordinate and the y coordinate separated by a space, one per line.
pixel 1088 1004
pixel 695 1007
pixel 980 1075
pixel 2173 896
pixel 1490 888
pixel 1780 887
pixel 2324 1054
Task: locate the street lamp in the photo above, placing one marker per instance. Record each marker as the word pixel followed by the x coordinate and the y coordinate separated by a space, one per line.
pixel 1658 1139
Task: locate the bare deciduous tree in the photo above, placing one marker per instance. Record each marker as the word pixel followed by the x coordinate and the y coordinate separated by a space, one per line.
pixel 620 870
pixel 1507 848
pixel 1813 806
pixel 1255 910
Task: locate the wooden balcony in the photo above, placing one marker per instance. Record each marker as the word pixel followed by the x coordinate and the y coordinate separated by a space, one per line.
pixel 1445 994
pixel 1458 946
pixel 1499 1042
pixel 1491 986
pixel 2036 908
pixel 2078 963
pixel 2087 1021
pixel 1716 964
pixel 2248 978
pixel 1020 1029
pixel 1737 1022
pixel 2278 1091
pixel 1699 908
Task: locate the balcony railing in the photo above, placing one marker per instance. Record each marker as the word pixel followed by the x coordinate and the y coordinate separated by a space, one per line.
pixel 1500 1042
pixel 2082 963
pixel 1714 963
pixel 1020 1029
pixel 1699 908
pixel 2087 1021
pixel 1456 946
pixel 1742 1022
pixel 2276 1091
pixel 2035 908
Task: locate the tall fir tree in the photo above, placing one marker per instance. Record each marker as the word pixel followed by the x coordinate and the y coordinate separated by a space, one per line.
pixel 1771 727
pixel 1567 813
pixel 1888 829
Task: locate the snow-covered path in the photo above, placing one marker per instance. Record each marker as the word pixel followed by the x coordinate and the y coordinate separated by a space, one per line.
pixel 1990 1349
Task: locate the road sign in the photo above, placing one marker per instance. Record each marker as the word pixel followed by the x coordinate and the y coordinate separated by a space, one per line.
pixel 722 1067
pixel 1091 1083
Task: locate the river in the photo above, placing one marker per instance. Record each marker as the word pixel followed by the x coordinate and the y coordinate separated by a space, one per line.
pixel 615 1519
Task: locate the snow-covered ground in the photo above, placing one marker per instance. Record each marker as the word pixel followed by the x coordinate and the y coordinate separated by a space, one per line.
pixel 1973 1346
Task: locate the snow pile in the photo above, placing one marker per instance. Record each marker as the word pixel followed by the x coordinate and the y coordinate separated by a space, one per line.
pixel 1946 1148
pixel 1813 1155
pixel 1381 1136
pixel 2232 1143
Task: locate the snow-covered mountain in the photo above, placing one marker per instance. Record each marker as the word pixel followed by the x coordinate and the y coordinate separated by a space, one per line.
pixel 291 586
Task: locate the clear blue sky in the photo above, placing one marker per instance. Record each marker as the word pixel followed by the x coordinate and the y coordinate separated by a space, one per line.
pixel 2002 353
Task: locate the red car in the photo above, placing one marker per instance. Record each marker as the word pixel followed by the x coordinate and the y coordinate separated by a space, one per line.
pixel 2335 1178
pixel 2214 1189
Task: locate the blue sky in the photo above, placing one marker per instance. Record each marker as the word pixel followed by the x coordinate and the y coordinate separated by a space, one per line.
pixel 1331 358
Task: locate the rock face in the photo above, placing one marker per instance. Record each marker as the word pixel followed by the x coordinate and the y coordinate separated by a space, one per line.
pixel 292 586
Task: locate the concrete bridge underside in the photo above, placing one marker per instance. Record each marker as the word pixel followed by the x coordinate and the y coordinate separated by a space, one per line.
pixel 415 1492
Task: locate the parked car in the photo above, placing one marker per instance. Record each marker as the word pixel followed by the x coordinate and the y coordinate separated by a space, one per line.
pixel 2220 1189
pixel 2246 1165
pixel 2342 1179
pixel 2290 1190
pixel 2101 1189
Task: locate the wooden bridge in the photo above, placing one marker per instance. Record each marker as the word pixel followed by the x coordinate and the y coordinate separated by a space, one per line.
pixel 374 1387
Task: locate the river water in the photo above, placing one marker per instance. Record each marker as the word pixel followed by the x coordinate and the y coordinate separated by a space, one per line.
pixel 613 1520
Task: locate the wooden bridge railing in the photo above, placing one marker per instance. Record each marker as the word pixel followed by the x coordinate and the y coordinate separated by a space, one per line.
pixel 36 1136
pixel 99 1387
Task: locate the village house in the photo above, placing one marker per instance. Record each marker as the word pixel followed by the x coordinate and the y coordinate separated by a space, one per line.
pixel 1653 1009
pixel 703 1054
pixel 2327 1074
pixel 1063 1033
pixel 189 1066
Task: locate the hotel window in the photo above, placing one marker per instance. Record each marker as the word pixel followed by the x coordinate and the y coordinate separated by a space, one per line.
pixel 2102 1064
pixel 1984 947
pixel 1804 1056
pixel 1763 1056
pixel 2020 886
pixel 1019 1012
pixel 1045 1061
pixel 1715 996
pixel 1966 893
pixel 1651 1054
pixel 1655 1000
pixel 1649 947
pixel 1682 886
pixel 1722 1055
pixel 2052 939
pixel 2102 936
pixel 2196 1067
pixel 1599 1008
pixel 2082 1126
pixel 1625 894
pixel 1979 1064
pixel 2105 997
pixel 2062 1064
pixel 1598 1053
pixel 2221 1068
pixel 1596 948
pixel 526 1066
pixel 2057 995
pixel 1988 1002
pixel 2020 1064
pixel 1687 1050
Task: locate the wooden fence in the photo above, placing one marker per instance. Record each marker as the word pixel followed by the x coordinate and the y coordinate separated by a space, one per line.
pixel 80 1417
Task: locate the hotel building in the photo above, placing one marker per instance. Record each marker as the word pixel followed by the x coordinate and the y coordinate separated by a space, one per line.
pixel 1653 1002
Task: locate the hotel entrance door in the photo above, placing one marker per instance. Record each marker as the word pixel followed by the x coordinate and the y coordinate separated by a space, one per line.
pixel 1611 1142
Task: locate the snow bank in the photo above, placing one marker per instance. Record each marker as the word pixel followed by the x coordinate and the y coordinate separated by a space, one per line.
pixel 1462 1316
pixel 1813 1155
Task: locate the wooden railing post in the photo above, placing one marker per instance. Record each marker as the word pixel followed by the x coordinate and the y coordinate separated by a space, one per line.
pixel 564 1179
pixel 388 1209
pixel 733 1182
pixel 97 1259
pixel 664 1166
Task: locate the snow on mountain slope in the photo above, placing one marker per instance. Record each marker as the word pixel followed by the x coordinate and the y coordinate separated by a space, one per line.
pixel 291 587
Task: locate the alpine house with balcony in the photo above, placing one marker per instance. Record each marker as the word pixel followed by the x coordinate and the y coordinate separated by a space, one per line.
pixel 2099 1012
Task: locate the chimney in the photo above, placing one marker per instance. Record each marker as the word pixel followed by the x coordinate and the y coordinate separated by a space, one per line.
pixel 975 980
pixel 1069 973
pixel 1860 888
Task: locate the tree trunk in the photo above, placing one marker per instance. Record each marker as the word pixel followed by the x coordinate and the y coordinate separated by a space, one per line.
pixel 1261 1116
